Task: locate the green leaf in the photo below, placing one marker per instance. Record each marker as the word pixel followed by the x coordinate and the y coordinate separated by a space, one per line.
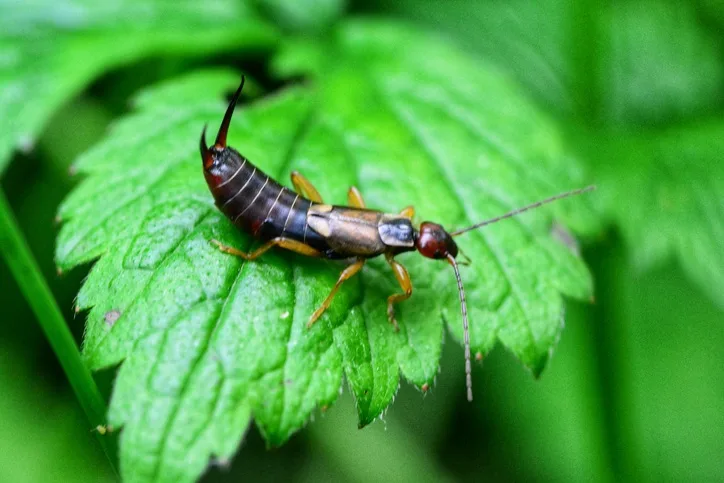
pixel 713 11
pixel 659 64
pixel 642 61
pixel 530 40
pixel 208 342
pixel 665 192
pixel 51 50
pixel 303 15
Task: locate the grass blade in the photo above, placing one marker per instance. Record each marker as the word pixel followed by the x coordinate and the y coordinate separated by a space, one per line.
pixel 24 268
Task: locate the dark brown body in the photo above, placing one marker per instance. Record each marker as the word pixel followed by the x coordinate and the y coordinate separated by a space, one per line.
pixel 258 205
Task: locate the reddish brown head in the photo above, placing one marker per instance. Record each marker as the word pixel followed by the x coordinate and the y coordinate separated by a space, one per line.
pixel 434 242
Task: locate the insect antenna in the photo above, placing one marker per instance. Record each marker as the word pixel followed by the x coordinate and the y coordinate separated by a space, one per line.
pixel 466 331
pixel 518 211
pixel 221 136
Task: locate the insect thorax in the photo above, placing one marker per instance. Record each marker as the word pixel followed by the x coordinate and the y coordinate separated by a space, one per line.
pixel 396 231
pixel 348 231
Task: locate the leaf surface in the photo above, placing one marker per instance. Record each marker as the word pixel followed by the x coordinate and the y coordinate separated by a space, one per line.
pixel 207 343
pixel 530 40
pixel 615 61
pixel 644 77
pixel 50 51
pixel 671 202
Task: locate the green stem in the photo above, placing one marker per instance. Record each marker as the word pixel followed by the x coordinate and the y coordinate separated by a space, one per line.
pixel 15 251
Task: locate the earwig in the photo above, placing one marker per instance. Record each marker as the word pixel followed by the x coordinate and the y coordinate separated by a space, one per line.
pixel 301 222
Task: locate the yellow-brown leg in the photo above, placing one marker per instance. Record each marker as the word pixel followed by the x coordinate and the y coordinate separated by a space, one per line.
pixel 403 278
pixel 355 198
pixel 408 212
pixel 305 188
pixel 281 242
pixel 346 274
pixel 467 258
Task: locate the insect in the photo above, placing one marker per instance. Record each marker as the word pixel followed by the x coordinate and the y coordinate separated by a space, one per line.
pixel 301 222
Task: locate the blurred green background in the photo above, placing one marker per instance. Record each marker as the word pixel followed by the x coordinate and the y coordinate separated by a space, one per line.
pixel 635 390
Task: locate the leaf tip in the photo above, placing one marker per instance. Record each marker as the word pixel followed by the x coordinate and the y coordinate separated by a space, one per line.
pixel 364 418
pixel 538 365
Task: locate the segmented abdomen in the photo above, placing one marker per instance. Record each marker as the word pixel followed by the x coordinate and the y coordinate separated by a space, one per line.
pixel 257 204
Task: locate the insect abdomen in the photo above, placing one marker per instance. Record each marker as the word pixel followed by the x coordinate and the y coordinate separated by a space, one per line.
pixel 257 204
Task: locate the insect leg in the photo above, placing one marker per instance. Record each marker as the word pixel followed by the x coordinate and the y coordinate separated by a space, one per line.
pixel 408 212
pixel 403 278
pixel 303 186
pixel 281 242
pixel 354 197
pixel 346 274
